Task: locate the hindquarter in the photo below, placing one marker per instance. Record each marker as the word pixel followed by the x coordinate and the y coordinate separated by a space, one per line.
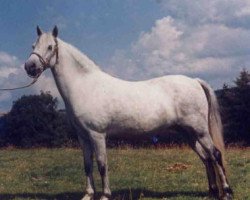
pixel 189 101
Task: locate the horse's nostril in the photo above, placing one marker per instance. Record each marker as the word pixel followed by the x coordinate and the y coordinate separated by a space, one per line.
pixel 33 66
pixel 30 66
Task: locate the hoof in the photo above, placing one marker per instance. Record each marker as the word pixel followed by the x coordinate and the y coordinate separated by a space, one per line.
pixel 228 194
pixel 105 197
pixel 227 197
pixel 214 192
pixel 88 197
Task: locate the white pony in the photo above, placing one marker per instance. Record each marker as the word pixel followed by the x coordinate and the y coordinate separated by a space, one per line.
pixel 99 105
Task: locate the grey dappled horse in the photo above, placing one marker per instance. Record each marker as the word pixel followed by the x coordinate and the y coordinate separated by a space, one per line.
pixel 99 105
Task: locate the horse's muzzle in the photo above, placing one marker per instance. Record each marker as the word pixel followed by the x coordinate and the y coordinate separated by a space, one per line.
pixel 32 70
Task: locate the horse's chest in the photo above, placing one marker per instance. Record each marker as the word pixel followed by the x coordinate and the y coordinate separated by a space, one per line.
pixel 90 114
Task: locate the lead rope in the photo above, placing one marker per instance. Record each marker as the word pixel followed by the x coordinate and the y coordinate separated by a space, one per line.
pixel 16 88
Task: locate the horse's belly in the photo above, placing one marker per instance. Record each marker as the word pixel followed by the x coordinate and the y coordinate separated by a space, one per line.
pixel 133 133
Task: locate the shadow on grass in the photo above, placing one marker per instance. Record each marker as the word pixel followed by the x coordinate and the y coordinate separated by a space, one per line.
pixel 133 194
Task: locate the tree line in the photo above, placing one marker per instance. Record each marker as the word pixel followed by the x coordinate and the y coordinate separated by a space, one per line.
pixel 36 121
pixel 235 109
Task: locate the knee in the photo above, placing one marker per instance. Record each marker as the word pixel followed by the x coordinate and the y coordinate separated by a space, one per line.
pixel 101 167
pixel 88 169
pixel 102 170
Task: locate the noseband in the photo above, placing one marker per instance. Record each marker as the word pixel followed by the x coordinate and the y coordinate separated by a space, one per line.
pixel 45 63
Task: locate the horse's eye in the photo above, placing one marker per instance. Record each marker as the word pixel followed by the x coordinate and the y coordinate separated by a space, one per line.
pixel 50 47
pixel 33 46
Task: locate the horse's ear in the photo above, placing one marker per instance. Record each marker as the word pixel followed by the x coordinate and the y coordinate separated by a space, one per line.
pixel 55 31
pixel 39 31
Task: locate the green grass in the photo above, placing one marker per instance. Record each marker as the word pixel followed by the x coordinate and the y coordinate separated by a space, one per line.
pixel 134 174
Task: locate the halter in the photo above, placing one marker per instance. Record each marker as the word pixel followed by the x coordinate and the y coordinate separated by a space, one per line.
pixel 45 65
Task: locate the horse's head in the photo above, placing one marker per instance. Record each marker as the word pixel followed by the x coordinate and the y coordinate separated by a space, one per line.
pixel 45 53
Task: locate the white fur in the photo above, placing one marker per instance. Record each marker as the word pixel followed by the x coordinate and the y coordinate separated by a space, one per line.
pixel 99 104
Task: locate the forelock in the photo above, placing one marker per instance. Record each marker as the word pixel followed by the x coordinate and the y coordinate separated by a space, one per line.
pixel 45 38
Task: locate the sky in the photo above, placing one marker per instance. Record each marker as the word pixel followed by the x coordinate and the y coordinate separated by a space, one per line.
pixel 129 39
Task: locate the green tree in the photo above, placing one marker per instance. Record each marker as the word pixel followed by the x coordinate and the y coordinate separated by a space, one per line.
pixel 35 121
pixel 243 81
pixel 235 103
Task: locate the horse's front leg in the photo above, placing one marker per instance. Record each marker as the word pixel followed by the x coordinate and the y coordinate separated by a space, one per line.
pixel 99 142
pixel 87 148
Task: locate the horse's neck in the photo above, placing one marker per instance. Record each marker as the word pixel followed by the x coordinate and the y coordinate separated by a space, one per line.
pixel 75 57
pixel 73 65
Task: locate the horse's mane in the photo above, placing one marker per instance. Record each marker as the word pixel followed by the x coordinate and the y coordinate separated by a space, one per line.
pixel 79 57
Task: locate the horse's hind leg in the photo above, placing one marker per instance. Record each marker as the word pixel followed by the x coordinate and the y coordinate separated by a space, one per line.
pixel 99 142
pixel 211 175
pixel 215 155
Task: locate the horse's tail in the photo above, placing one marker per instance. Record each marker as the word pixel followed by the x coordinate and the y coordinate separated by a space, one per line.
pixel 214 119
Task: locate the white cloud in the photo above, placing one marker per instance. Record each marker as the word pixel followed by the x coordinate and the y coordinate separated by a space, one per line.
pixel 7 59
pixel 203 12
pixel 12 74
pixel 9 67
pixel 158 44
pixel 5 96
pixel 163 34
pixel 207 39
pixel 5 71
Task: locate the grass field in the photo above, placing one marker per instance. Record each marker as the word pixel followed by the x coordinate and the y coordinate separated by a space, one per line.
pixel 134 174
